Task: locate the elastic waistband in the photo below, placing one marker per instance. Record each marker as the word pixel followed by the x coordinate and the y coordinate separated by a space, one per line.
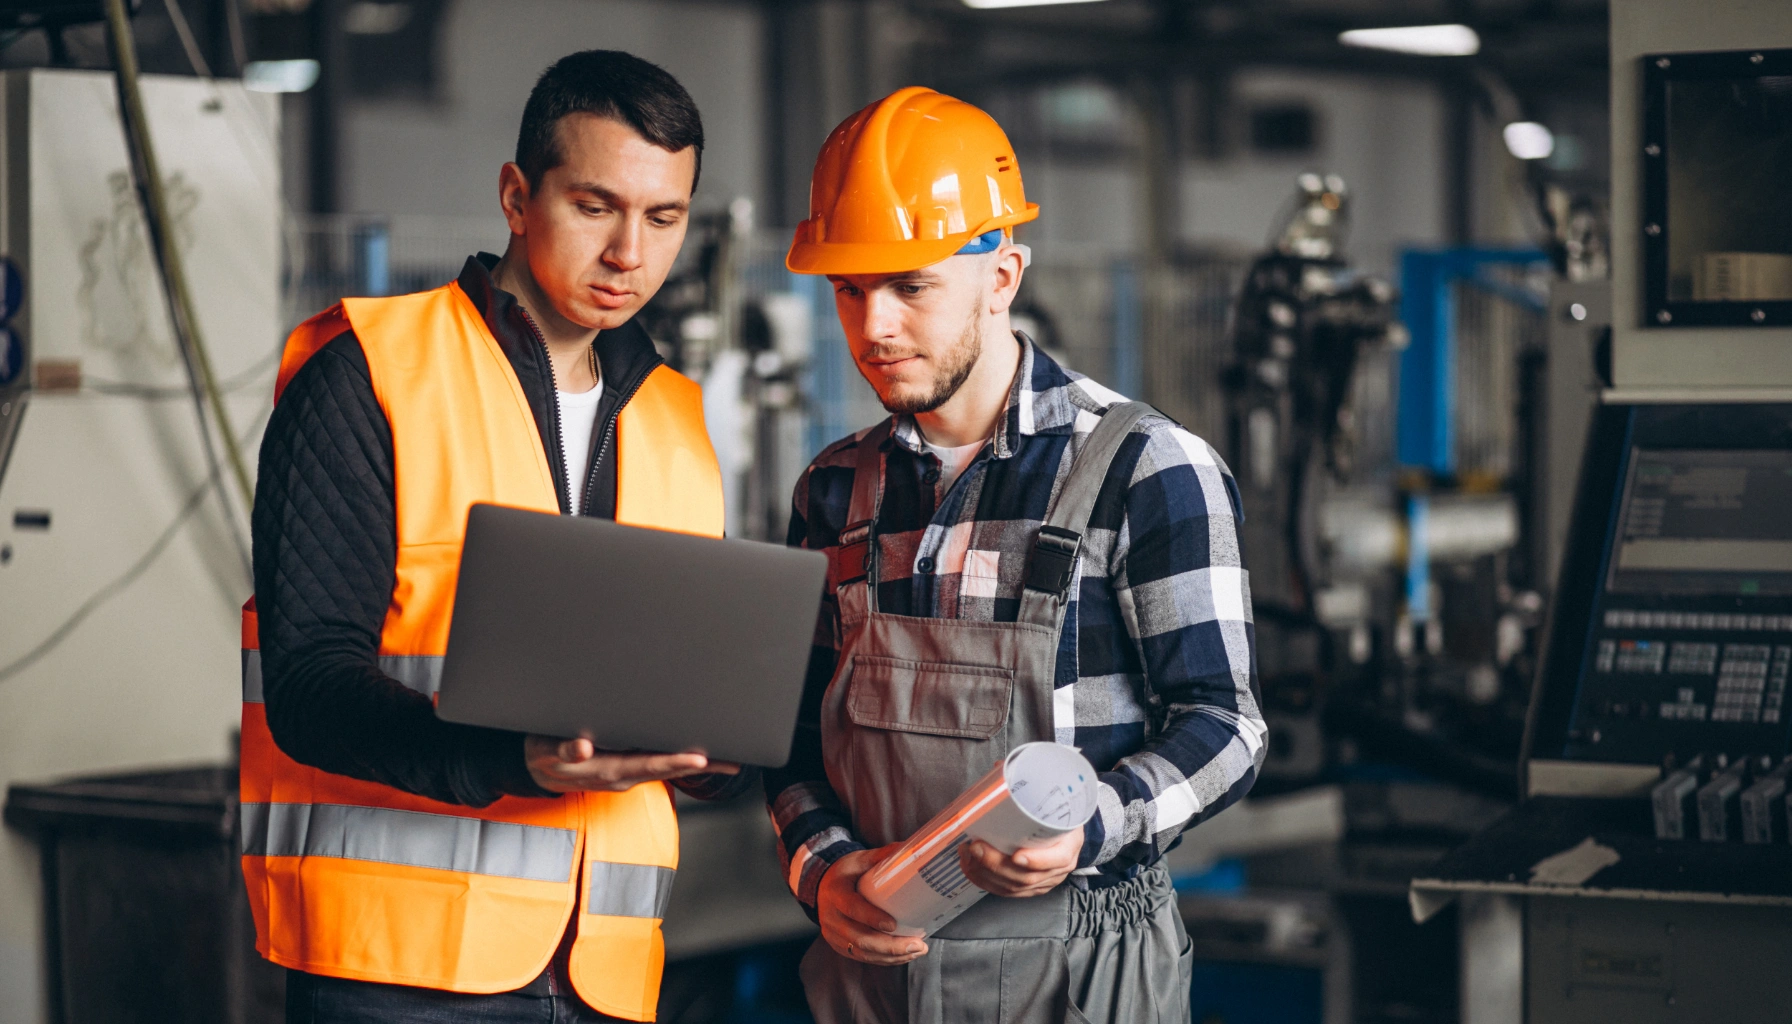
pixel 1131 902
pixel 1065 911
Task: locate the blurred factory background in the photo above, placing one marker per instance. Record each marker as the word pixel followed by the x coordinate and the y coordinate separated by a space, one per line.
pixel 1376 272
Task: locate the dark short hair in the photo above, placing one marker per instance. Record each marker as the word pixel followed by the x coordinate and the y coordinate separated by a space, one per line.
pixel 612 84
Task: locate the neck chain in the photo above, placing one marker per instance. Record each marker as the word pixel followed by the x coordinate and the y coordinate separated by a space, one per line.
pixel 591 357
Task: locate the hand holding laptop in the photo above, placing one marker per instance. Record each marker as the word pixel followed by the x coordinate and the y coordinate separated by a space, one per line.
pixel 635 642
pixel 565 766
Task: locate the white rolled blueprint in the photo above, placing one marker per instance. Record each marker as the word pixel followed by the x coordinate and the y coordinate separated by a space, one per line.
pixel 1038 792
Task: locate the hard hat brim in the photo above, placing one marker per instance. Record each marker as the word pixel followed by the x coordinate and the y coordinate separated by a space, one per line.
pixel 844 258
pixel 869 257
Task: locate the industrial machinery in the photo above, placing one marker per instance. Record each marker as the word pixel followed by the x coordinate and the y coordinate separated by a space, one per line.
pixel 1394 599
pixel 1306 328
pixel 1658 724
pixel 733 318
pixel 1644 877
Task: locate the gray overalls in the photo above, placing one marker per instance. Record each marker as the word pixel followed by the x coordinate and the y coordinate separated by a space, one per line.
pixel 918 709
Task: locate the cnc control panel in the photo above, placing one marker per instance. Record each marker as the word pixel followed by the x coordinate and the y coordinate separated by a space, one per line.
pixel 1679 640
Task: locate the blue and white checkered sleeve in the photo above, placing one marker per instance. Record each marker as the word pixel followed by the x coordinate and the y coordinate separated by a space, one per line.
pixel 813 826
pixel 1185 597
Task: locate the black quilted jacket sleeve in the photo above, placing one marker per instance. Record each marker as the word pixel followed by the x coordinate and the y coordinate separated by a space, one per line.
pixel 325 538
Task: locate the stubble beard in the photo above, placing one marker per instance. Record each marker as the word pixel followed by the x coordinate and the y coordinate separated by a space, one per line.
pixel 953 372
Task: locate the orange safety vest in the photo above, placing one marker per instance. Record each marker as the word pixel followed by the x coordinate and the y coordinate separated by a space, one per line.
pixel 354 879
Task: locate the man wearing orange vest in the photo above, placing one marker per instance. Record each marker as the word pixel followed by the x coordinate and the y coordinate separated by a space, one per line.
pixel 404 868
pixel 1016 555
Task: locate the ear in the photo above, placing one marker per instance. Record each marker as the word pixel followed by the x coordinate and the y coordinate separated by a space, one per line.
pixel 513 196
pixel 1005 274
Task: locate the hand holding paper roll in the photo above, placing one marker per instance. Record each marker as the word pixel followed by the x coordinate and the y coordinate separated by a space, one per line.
pixel 1028 871
pixel 1036 795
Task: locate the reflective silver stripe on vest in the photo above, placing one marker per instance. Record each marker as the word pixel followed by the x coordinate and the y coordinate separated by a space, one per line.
pixel 420 672
pixel 412 838
pixel 629 890
pixel 252 677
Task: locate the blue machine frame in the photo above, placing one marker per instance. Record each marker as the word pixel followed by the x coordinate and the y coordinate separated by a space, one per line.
pixel 1426 419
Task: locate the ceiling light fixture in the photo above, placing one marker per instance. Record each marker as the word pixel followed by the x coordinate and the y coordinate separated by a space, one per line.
pixel 1424 40
pixel 1528 140
pixel 984 5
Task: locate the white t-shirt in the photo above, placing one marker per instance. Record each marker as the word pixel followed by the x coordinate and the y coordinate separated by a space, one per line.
pixel 953 461
pixel 578 417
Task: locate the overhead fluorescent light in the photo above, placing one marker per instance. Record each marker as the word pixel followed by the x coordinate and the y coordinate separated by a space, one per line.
pixel 280 75
pixel 1424 40
pixel 1528 140
pixel 984 5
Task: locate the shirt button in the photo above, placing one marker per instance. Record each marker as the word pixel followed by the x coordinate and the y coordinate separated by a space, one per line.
pixel 925 564
pixel 932 476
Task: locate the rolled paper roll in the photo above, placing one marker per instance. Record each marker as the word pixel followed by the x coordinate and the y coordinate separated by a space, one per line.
pixel 1038 792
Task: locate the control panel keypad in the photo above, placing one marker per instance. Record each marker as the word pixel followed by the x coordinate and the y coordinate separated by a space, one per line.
pixel 1742 682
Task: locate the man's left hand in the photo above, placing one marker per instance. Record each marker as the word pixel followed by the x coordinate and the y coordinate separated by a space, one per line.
pixel 1029 871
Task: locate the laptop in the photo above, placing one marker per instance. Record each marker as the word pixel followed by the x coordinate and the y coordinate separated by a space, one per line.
pixel 641 639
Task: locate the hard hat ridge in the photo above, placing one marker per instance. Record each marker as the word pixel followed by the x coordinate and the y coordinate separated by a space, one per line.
pixel 906 182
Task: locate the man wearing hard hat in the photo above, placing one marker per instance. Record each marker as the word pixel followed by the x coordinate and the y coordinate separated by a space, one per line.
pixel 1016 554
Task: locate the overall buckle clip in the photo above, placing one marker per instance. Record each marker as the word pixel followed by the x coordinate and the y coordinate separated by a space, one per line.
pixel 1054 558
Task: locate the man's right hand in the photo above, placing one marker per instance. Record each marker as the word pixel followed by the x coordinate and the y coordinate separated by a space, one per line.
pixel 851 924
pixel 566 766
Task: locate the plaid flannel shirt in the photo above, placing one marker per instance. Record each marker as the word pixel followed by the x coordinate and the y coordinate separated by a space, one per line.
pixel 1156 676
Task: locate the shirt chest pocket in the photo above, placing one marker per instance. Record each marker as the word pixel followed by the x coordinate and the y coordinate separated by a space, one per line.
pixel 935 698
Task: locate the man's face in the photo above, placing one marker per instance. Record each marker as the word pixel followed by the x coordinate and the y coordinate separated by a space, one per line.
pixel 602 228
pixel 916 336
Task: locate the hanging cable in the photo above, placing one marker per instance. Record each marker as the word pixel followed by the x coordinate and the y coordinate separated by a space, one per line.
pixel 174 284
pixel 255 376
pixel 185 31
pixel 115 587
pixel 239 46
pixel 123 580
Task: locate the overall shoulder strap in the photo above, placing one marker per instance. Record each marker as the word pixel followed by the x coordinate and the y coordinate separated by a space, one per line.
pixel 1052 563
pixel 858 542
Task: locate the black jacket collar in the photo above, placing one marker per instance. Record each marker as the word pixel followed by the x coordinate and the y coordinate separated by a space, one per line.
pixel 625 354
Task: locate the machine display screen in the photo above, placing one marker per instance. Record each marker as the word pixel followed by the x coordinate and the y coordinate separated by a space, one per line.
pixel 1674 603
pixel 1705 522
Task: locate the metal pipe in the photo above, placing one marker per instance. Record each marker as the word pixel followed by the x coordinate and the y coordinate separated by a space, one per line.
pixel 168 260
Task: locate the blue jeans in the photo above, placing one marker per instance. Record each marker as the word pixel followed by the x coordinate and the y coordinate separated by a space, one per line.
pixel 314 999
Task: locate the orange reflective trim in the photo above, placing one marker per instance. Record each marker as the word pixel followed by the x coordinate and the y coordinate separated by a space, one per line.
pixel 269 776
pixel 403 925
pixel 447 842
pixel 462 433
pixel 305 341
pixel 666 471
pixel 656 842
pixel 616 965
pixel 627 890
pixel 260 757
pixel 617 959
pixel 251 625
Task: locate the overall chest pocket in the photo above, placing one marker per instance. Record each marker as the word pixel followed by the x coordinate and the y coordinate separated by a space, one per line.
pixel 935 698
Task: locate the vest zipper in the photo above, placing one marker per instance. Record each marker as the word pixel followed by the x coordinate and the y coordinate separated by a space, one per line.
pixel 603 444
pixel 603 441
pixel 562 494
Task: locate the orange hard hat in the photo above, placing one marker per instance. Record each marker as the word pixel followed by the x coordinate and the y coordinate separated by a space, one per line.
pixel 905 183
